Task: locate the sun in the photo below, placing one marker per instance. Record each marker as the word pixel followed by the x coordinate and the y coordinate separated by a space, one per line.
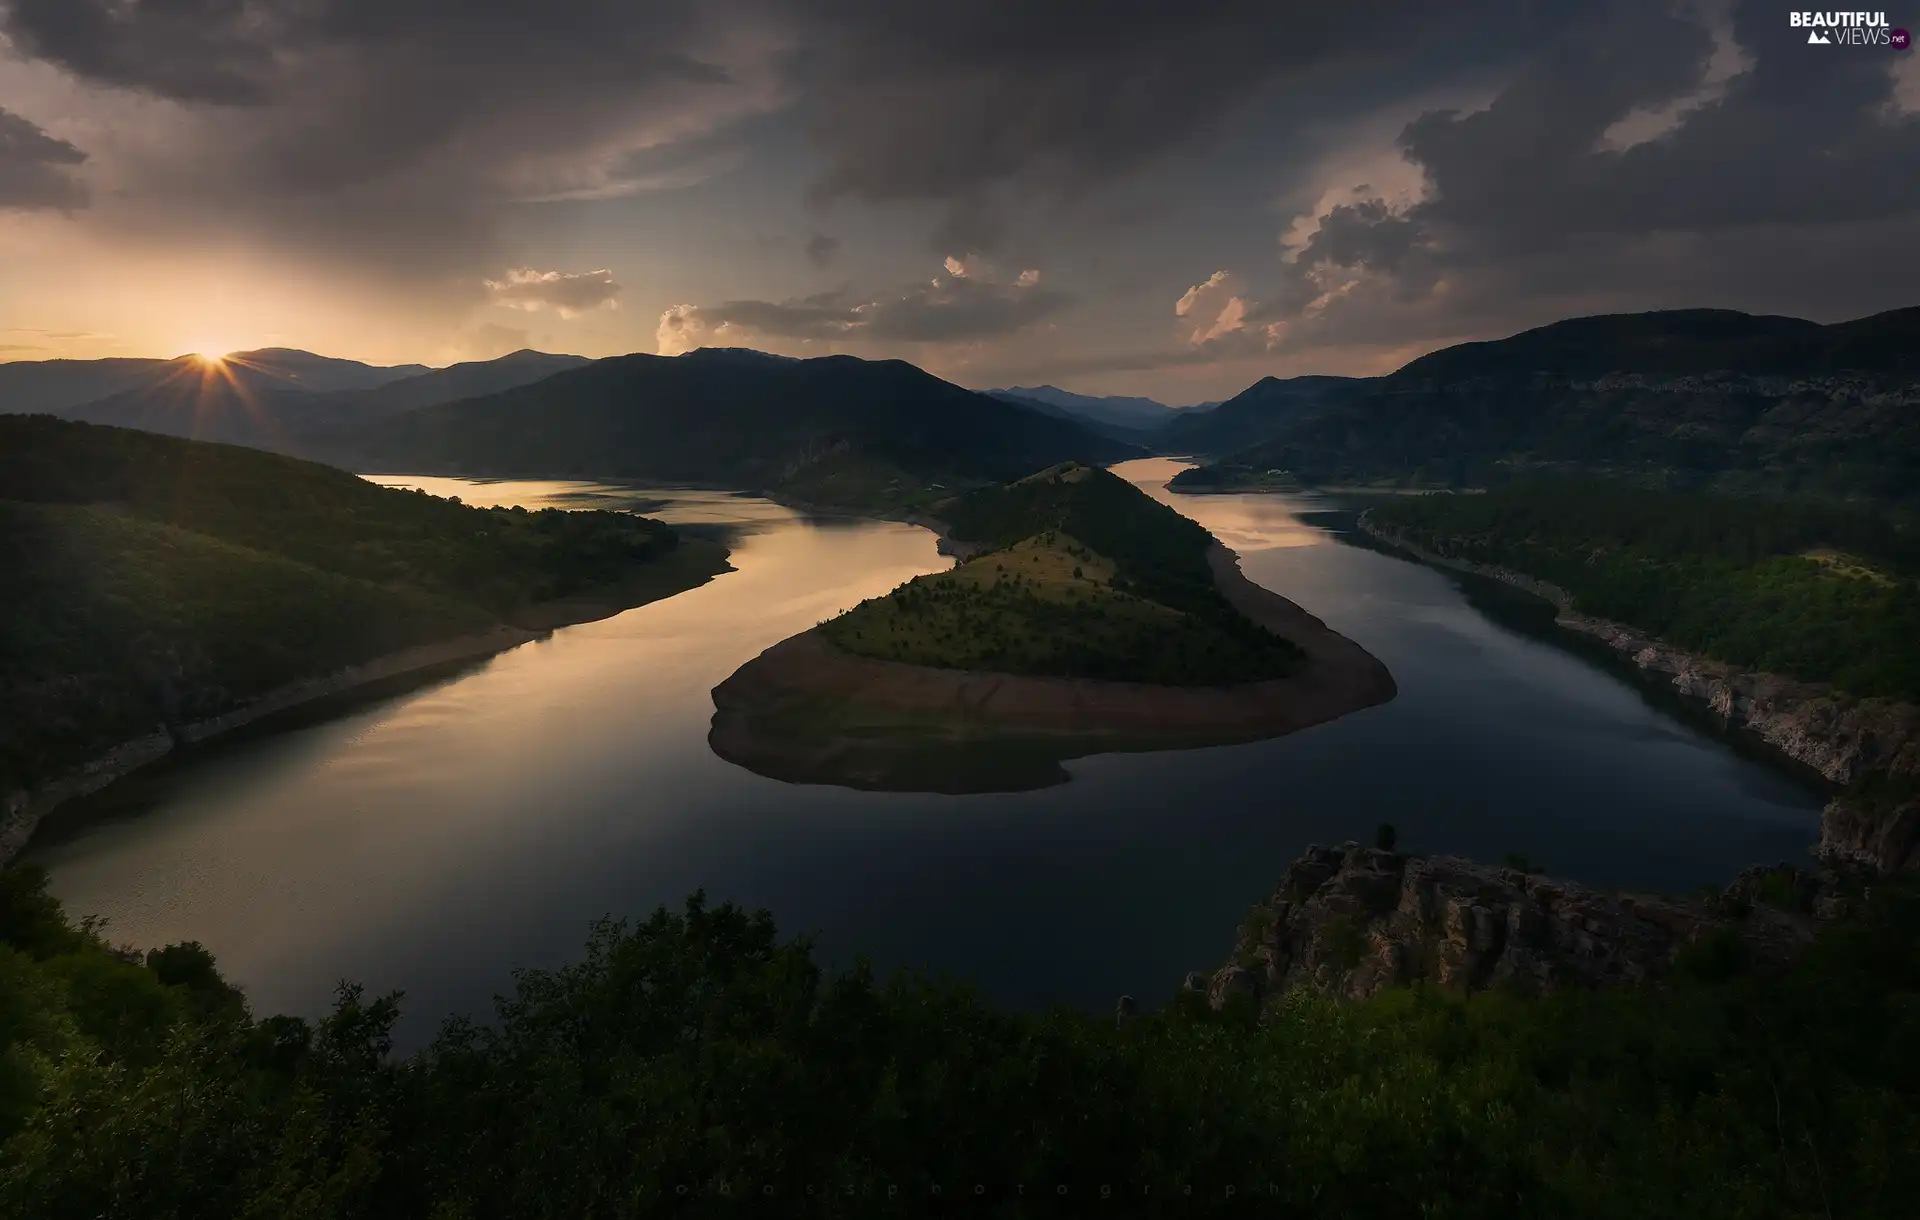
pixel 210 355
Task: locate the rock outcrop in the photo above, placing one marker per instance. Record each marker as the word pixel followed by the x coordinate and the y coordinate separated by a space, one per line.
pixel 1349 921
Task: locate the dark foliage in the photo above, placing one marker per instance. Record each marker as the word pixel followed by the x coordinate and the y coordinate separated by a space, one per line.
pixel 154 581
pixel 1808 590
pixel 1685 399
pixel 696 1064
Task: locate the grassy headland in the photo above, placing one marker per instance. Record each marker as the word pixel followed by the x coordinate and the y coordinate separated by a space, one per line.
pixel 1086 577
pixel 1090 619
pixel 153 581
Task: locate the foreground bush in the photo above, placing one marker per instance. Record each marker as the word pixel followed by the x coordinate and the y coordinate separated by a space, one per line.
pixel 695 1064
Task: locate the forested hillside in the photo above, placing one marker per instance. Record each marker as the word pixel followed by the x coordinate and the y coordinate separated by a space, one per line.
pixel 152 580
pixel 1680 399
pixel 1814 592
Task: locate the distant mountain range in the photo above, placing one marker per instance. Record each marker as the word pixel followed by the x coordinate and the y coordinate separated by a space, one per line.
pixel 276 398
pixel 32 386
pixel 833 430
pixel 1680 398
pixel 1137 415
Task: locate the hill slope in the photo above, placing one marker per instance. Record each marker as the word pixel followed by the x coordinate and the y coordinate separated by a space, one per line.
pixel 154 581
pixel 834 430
pixel 1255 414
pixel 1084 576
pixel 1682 398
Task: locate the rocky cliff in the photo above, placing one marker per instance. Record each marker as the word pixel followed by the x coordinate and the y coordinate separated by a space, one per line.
pixel 1842 738
pixel 1350 921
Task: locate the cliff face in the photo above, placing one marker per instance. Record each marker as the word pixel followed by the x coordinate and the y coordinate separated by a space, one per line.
pixel 1842 738
pixel 1349 921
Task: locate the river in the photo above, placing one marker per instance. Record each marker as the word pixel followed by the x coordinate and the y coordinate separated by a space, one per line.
pixel 432 840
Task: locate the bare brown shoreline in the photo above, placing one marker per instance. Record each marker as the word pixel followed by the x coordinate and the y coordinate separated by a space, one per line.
pixel 805 711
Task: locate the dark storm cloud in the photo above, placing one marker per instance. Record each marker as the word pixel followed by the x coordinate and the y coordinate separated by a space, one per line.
pixel 219 51
pixel 949 99
pixel 825 315
pixel 1775 191
pixel 35 167
pixel 392 132
pixel 822 250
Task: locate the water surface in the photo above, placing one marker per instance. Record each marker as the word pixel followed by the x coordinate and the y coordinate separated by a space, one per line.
pixel 432 840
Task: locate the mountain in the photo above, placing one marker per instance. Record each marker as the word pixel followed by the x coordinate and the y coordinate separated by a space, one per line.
pixel 1682 398
pixel 33 386
pixel 469 380
pixel 264 400
pixel 1256 413
pixel 318 374
pixel 833 429
pixel 1118 432
pixel 1137 414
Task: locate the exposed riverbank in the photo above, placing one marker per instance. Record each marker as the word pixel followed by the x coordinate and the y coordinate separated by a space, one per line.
pixel 1842 738
pixel 693 563
pixel 806 711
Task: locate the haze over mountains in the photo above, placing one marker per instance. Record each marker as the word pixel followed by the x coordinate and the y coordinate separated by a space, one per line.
pixel 1136 414
pixel 270 399
pixel 1683 397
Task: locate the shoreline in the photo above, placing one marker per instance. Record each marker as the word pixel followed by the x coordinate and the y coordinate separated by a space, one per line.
pixel 1839 737
pixel 805 711
pixel 23 809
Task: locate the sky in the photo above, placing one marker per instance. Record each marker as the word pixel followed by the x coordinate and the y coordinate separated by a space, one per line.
pixel 1122 197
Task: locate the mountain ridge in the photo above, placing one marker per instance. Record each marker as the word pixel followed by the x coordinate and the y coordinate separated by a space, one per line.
pixel 1676 398
pixel 827 430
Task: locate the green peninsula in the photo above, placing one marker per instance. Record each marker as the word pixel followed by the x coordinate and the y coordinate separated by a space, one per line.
pixel 1085 618
pixel 1081 576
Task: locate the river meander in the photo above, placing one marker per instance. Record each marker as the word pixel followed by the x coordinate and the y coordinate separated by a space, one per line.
pixel 432 840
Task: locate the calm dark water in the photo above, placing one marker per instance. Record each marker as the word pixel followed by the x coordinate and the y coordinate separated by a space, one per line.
pixel 433 840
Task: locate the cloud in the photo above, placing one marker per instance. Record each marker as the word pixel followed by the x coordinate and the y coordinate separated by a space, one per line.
pixel 949 98
pixel 1769 176
pixel 35 168
pixel 388 139
pixel 566 294
pixel 822 250
pixel 1193 295
pixel 963 305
